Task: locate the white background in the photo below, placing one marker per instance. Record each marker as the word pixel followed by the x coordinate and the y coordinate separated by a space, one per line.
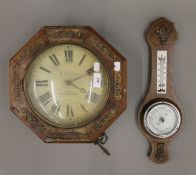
pixel 122 23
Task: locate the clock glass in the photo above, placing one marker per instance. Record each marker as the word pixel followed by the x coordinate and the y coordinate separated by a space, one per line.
pixel 162 119
pixel 67 85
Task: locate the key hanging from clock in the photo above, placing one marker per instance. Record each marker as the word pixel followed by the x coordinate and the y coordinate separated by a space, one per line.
pixel 160 115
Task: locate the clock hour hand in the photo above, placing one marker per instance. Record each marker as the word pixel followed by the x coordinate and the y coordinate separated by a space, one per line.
pixel 82 90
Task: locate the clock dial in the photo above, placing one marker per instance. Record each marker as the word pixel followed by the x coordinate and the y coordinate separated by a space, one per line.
pixel 162 119
pixel 64 88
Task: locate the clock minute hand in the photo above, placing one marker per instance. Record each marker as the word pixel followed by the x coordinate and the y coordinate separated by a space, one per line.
pixel 88 72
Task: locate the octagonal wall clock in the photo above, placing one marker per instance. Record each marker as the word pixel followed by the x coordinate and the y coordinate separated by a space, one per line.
pixel 160 115
pixel 68 85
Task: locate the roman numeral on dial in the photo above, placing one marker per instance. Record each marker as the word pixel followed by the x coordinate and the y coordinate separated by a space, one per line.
pixel 45 98
pixel 83 107
pixel 68 56
pixel 93 97
pixel 69 111
pixel 90 70
pixel 54 60
pixel 44 69
pixel 81 61
pixel 41 83
pixel 55 108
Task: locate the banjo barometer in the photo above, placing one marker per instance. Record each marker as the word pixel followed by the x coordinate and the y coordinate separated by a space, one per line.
pixel 68 85
pixel 160 115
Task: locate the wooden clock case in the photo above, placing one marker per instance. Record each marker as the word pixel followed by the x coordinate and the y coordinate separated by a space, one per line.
pixel 90 39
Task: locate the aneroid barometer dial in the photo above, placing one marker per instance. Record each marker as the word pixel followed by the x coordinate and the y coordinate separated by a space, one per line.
pixel 67 85
pixel 160 115
pixel 162 119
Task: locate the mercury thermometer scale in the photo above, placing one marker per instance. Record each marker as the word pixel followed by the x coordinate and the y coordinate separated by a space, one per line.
pixel 161 72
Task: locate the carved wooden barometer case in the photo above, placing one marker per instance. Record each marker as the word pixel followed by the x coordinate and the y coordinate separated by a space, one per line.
pixel 68 84
pixel 160 115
